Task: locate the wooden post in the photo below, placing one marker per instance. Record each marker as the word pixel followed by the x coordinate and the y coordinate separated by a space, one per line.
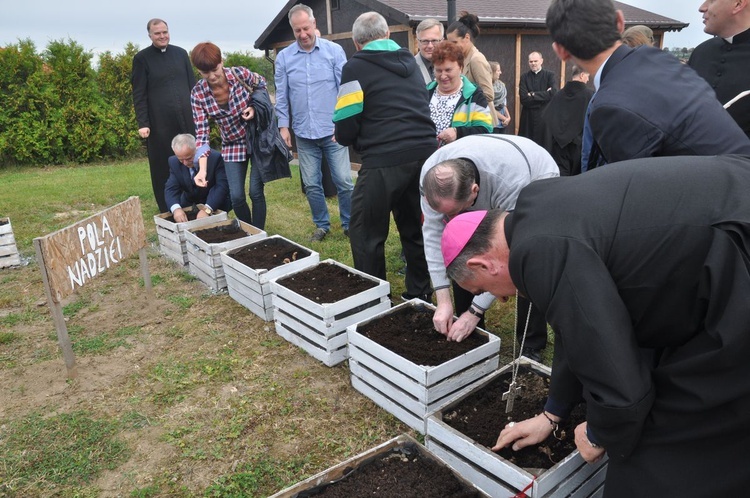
pixel 63 339
pixel 144 269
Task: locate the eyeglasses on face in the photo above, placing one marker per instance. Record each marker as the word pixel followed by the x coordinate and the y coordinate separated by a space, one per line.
pixel 429 42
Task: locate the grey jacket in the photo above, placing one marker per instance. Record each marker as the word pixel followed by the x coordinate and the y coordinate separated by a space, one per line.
pixel 506 164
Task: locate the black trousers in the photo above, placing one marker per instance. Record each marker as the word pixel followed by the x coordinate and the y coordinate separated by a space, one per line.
pixel 536 337
pixel 378 193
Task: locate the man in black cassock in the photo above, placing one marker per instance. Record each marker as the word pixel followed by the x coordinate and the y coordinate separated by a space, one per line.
pixel 643 272
pixel 563 120
pixel 723 60
pixel 162 79
pixel 535 89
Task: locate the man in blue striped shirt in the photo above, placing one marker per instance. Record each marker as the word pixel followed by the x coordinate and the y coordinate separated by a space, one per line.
pixel 307 75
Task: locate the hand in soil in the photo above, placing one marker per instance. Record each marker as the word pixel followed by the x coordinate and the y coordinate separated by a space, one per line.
pixel 522 434
pixel 587 450
pixel 462 327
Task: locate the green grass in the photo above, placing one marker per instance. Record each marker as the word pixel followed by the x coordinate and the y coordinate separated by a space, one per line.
pixel 76 449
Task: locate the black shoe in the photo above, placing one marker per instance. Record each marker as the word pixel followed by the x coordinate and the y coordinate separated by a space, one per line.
pixel 532 354
pixel 346 232
pixel 424 297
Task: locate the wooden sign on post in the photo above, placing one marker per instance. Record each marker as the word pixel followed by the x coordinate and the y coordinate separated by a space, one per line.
pixel 73 256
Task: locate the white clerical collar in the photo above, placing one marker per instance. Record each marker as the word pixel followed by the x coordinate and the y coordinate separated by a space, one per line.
pixel 729 40
pixel 537 72
pixel 163 49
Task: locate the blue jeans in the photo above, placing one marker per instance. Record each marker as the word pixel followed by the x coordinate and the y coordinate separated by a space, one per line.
pixel 236 174
pixel 310 166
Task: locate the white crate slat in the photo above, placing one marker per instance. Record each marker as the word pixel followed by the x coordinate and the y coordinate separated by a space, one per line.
pixel 473 474
pixel 570 477
pixel 330 355
pixel 9 255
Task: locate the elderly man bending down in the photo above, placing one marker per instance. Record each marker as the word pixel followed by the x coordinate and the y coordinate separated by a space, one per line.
pixel 181 191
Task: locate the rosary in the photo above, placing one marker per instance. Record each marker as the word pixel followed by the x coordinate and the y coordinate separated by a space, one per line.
pixel 513 388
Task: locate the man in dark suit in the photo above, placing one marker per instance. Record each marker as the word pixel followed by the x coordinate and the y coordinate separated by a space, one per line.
pixel 181 191
pixel 647 103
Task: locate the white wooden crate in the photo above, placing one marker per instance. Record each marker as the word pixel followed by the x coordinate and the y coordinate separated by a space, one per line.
pixel 403 443
pixel 410 391
pixel 172 235
pixel 204 259
pixel 320 329
pixel 572 477
pixel 9 255
pixel 251 287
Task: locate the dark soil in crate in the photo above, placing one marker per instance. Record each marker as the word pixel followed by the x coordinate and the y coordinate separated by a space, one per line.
pixel 326 283
pixel 397 474
pixel 268 254
pixel 191 216
pixel 3 222
pixel 481 416
pixel 409 332
pixel 221 233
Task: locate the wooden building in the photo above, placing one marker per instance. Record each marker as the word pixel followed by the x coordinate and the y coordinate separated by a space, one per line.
pixel 510 29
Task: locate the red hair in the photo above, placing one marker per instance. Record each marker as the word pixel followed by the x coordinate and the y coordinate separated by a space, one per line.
pixel 205 56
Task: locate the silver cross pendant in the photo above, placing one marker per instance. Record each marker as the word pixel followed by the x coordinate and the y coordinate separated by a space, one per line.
pixel 510 395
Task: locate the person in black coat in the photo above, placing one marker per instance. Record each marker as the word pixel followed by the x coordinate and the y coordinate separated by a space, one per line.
pixel 647 294
pixel 723 60
pixel 181 191
pixel 563 122
pixel 162 78
pixel 536 88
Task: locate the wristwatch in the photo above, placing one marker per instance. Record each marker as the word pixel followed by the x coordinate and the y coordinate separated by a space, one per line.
pixel 208 210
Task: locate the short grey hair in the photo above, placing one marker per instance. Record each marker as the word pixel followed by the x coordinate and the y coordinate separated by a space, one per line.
pixel 368 27
pixel 183 140
pixel 300 7
pixel 430 23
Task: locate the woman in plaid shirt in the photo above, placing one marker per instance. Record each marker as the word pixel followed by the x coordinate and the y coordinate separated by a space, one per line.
pixel 220 96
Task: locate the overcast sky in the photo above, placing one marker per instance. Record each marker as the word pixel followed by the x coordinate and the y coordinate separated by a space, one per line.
pixel 234 25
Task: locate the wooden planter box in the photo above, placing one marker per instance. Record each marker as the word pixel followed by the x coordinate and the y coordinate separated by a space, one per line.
pixel 251 287
pixel 403 444
pixel 572 477
pixel 204 259
pixel 8 250
pixel 172 235
pixel 320 329
pixel 410 391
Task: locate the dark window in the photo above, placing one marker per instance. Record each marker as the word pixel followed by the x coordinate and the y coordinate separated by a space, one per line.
pixel 334 4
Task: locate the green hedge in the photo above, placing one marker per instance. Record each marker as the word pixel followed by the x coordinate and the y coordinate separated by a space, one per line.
pixel 58 109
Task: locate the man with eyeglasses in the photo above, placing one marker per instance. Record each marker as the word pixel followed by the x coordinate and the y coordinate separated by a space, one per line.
pixel 430 32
